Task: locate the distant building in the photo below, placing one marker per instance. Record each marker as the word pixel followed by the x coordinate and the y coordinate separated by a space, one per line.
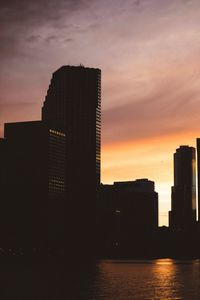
pixel 183 213
pixel 138 205
pixel 34 183
pixel 131 207
pixel 73 106
pixel 198 175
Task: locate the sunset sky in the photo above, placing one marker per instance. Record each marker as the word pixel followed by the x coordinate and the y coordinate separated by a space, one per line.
pixel 149 54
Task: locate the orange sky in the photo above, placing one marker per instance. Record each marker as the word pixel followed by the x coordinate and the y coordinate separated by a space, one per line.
pixel 149 54
pixel 148 158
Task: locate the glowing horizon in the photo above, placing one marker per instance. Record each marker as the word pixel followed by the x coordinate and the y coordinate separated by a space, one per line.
pixel 133 160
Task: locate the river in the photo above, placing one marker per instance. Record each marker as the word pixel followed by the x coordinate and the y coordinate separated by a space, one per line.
pixel 105 280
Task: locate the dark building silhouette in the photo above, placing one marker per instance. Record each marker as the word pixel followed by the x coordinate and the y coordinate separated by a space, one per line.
pixel 183 213
pixel 2 163
pixel 198 175
pixel 34 184
pixel 3 151
pixel 128 212
pixel 73 105
pixel 138 205
pixel 107 219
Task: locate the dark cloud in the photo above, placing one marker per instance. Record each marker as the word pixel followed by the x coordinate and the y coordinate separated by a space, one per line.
pixel 51 38
pixel 68 40
pixel 54 39
pixel 33 38
pixel 19 19
pixel 37 12
pixel 137 2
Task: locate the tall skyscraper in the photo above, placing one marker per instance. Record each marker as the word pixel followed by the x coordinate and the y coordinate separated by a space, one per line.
pixel 183 213
pixel 198 175
pixel 73 105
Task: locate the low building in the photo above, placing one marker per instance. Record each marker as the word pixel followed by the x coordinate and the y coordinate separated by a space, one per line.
pixel 34 184
pixel 128 211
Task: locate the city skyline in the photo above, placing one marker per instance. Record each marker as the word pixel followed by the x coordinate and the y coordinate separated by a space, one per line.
pixel 54 163
pixel 148 52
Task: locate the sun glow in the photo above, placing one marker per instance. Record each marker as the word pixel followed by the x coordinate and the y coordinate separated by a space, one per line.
pixel 148 158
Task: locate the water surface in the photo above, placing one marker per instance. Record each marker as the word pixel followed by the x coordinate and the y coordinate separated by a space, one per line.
pixel 157 279
pixel 106 280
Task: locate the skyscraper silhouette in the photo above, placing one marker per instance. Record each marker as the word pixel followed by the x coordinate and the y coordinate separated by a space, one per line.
pixel 198 174
pixel 73 106
pixel 183 213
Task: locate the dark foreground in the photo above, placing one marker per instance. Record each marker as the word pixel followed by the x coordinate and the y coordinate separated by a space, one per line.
pixel 104 279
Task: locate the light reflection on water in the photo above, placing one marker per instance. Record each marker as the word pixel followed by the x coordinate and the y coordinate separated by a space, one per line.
pixel 161 279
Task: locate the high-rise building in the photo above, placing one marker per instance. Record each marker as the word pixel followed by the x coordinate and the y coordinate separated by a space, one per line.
pixel 34 184
pixel 183 206
pixel 198 175
pixel 73 105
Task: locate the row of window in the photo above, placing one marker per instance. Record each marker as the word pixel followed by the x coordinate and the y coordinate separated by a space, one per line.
pixel 56 133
